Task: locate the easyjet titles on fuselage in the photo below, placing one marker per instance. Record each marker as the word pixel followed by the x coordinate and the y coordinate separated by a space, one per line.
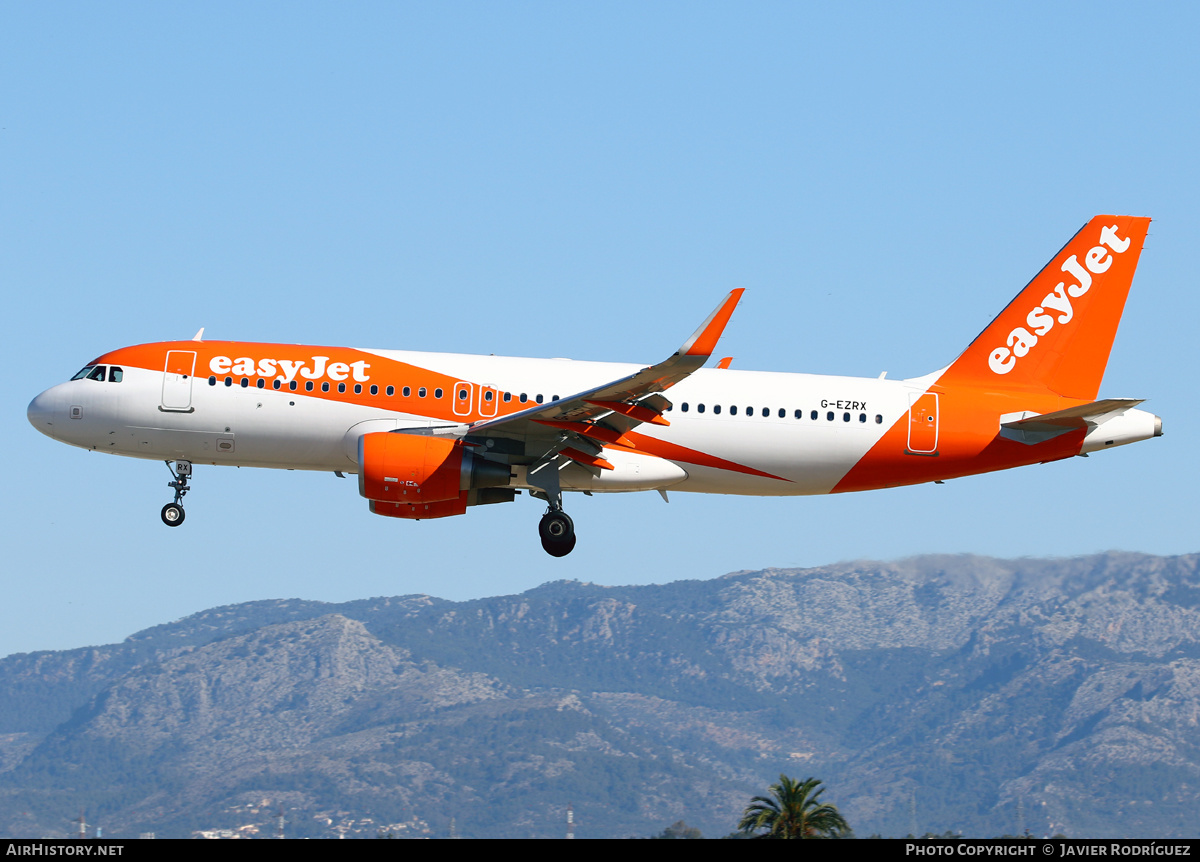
pixel 287 369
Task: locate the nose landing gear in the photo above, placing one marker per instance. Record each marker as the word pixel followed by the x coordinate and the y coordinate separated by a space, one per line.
pixel 172 514
pixel 557 532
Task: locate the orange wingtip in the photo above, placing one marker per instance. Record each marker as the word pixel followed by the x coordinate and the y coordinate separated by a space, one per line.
pixel 724 363
pixel 633 411
pixel 704 340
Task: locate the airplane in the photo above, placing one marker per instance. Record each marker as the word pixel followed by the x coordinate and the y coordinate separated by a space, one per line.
pixel 431 435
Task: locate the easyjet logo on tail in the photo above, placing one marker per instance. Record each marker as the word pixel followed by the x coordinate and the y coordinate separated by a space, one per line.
pixel 1056 305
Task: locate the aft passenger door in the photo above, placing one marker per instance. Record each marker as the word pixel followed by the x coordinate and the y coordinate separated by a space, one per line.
pixel 923 424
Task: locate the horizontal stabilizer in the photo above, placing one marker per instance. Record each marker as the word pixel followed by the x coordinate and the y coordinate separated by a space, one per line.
pixel 1035 427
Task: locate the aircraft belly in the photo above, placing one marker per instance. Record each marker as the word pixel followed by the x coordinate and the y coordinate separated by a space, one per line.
pixel 771 458
pixel 247 428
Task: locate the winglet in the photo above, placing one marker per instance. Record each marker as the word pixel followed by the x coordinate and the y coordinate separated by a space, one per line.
pixel 704 339
pixel 199 336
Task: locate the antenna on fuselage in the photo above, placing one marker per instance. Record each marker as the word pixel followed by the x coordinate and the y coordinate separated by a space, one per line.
pixel 199 336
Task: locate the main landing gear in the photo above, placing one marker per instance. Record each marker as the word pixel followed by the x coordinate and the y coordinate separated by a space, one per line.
pixel 172 513
pixel 556 529
pixel 557 532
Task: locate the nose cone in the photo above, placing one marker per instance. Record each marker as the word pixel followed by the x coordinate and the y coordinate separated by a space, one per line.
pixel 43 412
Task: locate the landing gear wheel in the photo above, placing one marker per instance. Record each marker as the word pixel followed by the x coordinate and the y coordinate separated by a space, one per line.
pixel 172 514
pixel 557 532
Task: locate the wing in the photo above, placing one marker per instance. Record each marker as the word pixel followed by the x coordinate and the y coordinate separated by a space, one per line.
pixel 580 425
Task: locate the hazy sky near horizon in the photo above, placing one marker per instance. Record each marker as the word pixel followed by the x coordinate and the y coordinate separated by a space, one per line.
pixel 581 180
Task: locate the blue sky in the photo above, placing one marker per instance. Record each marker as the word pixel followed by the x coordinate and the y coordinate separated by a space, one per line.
pixel 582 180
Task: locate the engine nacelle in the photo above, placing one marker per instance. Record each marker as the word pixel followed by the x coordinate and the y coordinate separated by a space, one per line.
pixel 420 476
pixel 421 511
pixel 446 508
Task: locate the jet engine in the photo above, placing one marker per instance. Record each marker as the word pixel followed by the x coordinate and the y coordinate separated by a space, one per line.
pixel 418 476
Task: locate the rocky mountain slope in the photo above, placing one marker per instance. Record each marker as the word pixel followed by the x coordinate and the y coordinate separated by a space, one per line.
pixel 929 694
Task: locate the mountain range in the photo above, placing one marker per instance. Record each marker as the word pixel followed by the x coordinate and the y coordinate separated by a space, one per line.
pixel 936 693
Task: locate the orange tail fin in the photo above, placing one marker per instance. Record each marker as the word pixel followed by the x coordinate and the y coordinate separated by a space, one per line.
pixel 1057 334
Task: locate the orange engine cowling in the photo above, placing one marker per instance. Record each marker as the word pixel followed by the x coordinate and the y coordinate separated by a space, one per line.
pixel 421 511
pixel 418 476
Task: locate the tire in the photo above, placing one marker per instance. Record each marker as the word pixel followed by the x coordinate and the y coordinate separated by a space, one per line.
pixel 559 548
pixel 172 514
pixel 557 532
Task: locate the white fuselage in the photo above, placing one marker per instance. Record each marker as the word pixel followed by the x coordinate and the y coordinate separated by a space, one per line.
pixel 761 421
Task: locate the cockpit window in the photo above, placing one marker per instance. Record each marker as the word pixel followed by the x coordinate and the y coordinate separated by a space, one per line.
pixel 98 372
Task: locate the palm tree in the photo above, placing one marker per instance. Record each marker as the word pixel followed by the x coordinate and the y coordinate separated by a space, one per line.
pixel 793 810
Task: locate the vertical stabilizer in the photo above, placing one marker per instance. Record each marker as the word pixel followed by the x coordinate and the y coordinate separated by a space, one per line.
pixel 1057 334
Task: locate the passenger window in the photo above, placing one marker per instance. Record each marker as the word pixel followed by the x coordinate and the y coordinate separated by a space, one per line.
pixel 487 396
pixel 539 398
pixel 437 393
pixel 341 387
pixel 717 409
pixel 276 383
pixel 115 374
pixel 829 415
pixel 357 388
pixel 391 390
pixel 782 413
pixel 845 417
pixel 462 395
pixel 733 410
pixel 421 392
pixel 814 415
pixel 407 391
pixel 507 397
pixel 684 407
pixel 325 386
pixel 799 414
pixel 878 419
pixel 308 387
pixel 212 381
pixel 553 397
pixel 229 381
pixel 766 412
pixel 524 398
pixel 245 382
pixel 291 384
pixel 699 408
pixel 862 417
pixel 374 389
pixel 260 383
